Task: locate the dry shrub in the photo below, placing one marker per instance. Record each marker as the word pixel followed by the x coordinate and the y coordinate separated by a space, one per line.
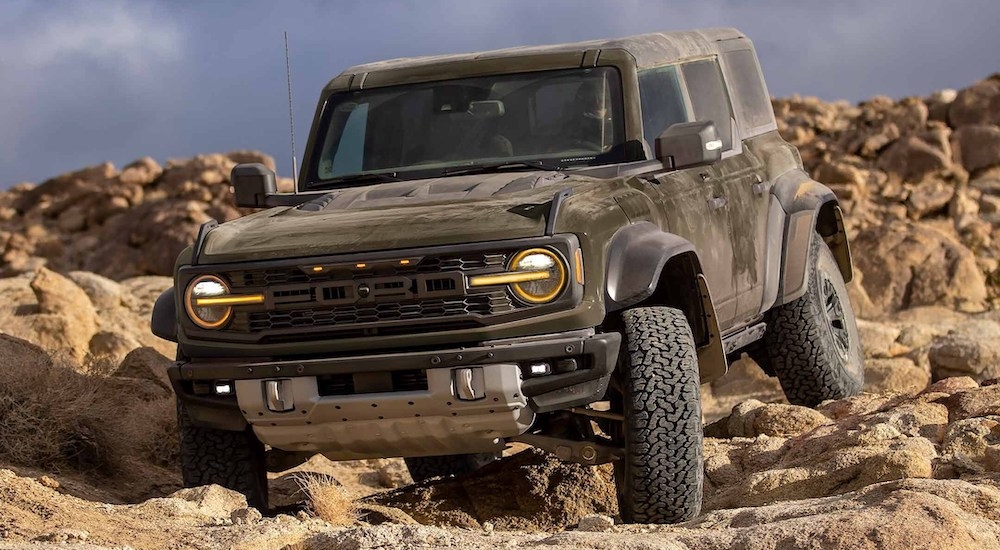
pixel 153 431
pixel 56 418
pixel 52 417
pixel 329 500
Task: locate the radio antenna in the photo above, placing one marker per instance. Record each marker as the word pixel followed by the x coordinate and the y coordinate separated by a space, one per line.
pixel 291 119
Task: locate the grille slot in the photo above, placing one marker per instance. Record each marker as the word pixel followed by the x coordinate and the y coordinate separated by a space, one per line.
pixel 344 384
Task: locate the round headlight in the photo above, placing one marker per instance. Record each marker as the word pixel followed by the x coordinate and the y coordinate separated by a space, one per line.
pixel 550 275
pixel 207 286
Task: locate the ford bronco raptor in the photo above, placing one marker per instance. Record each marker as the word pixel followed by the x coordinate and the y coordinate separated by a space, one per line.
pixel 549 245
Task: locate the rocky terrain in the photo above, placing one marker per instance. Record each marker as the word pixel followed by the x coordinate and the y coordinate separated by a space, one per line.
pixel 87 433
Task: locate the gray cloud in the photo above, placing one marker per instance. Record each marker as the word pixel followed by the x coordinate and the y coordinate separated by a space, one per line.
pixel 112 80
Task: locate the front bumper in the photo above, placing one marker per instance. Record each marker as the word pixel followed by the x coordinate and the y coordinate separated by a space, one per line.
pixel 430 421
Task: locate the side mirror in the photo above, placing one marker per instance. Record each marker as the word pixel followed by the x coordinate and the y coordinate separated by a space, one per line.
pixel 688 144
pixel 252 183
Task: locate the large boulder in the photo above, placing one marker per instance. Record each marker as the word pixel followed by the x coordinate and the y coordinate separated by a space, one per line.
pixel 66 319
pixel 908 265
pixel 977 146
pixel 913 158
pixel 977 104
pixel 971 350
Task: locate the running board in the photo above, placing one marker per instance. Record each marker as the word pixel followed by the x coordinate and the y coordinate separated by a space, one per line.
pixel 743 338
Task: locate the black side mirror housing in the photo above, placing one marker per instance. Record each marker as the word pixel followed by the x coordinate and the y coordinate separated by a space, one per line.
pixel 688 144
pixel 252 183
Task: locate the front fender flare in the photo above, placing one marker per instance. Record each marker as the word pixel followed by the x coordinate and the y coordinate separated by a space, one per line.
pixel 163 322
pixel 636 258
pixel 647 266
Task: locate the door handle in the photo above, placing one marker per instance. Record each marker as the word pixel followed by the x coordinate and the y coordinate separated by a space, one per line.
pixel 718 202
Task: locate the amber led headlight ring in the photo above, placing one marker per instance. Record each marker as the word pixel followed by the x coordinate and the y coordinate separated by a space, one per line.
pixel 205 302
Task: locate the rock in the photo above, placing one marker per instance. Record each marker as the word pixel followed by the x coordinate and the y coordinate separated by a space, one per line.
pixel 245 156
pixel 375 514
pixel 246 516
pixel 213 500
pixel 49 482
pixel 144 291
pixel 972 402
pixel 744 381
pixel 20 352
pixel 878 339
pixel 67 319
pixel 753 418
pixel 913 158
pixel 952 385
pixel 863 306
pixel 103 292
pixel 930 196
pixel 596 523
pixel 516 492
pixel 973 351
pixel 977 146
pixel 977 104
pixel 111 346
pixel 147 364
pixel 141 172
pixel 908 265
pixel 976 440
pixel 898 374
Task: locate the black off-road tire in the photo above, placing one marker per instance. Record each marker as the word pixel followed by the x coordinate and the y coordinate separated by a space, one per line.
pixel 423 468
pixel 660 478
pixel 813 342
pixel 234 460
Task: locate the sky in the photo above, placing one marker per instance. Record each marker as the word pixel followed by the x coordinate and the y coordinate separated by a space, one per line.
pixel 114 80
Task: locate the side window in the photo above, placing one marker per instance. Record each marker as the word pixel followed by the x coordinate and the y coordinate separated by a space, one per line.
pixel 709 98
pixel 751 99
pixel 662 101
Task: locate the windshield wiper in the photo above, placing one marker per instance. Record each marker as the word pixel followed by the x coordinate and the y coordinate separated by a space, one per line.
pixel 501 167
pixel 351 179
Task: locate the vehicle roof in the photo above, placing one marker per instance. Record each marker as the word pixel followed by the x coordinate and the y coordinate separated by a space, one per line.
pixel 649 50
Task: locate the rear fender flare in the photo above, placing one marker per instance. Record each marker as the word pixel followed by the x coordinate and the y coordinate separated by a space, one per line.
pixel 809 207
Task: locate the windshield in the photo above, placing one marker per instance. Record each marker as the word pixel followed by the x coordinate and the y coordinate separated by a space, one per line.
pixel 561 118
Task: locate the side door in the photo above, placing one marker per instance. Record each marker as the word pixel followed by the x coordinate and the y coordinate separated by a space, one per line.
pixel 693 200
pixel 756 213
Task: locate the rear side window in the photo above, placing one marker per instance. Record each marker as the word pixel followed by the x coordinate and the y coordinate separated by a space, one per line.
pixel 662 101
pixel 709 98
pixel 751 101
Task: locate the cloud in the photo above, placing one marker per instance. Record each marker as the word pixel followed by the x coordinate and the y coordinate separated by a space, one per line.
pixel 82 82
pixel 69 65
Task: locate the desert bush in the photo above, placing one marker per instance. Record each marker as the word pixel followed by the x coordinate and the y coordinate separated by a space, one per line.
pixel 329 500
pixel 53 417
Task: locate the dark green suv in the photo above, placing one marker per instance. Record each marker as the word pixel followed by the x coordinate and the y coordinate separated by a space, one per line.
pixel 551 245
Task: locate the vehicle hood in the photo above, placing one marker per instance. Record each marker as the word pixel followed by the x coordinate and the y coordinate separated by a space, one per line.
pixel 387 216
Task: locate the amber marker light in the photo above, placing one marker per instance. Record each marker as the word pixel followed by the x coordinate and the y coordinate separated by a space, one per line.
pixel 361 266
pixel 578 258
pixel 317 269
pixel 404 262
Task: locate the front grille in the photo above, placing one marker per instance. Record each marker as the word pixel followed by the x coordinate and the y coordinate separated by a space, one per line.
pixel 390 297
pixel 356 314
